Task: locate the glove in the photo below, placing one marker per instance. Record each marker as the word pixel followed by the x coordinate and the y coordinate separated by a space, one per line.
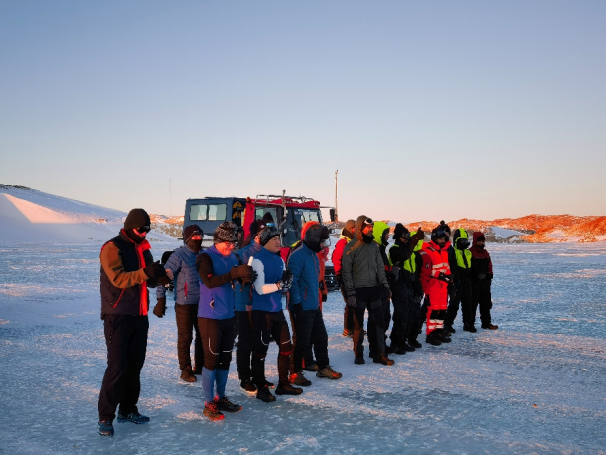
pixel 395 271
pixel 160 308
pixel 243 272
pixel 420 235
pixel 445 278
pixel 164 281
pixel 385 293
pixel 296 311
pixel 155 271
pixel 324 298
pixel 351 299
pixel 287 278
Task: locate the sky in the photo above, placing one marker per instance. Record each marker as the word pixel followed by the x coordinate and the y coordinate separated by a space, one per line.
pixel 428 110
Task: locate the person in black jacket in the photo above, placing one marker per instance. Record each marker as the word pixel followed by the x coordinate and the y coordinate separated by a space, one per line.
pixel 127 270
pixel 461 271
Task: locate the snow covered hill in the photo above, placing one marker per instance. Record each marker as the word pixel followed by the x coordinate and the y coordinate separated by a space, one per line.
pixel 28 215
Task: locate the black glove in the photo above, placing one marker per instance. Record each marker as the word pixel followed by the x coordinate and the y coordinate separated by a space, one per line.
pixel 385 293
pixel 164 281
pixel 351 299
pixel 243 272
pixel 324 298
pixel 160 308
pixel 395 271
pixel 287 278
pixel 155 271
pixel 296 311
pixel 445 278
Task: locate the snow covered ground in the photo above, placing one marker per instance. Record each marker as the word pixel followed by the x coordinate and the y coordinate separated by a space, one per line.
pixel 536 385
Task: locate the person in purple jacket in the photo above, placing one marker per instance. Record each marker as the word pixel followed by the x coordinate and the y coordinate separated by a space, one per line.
pixel 268 316
pixel 218 268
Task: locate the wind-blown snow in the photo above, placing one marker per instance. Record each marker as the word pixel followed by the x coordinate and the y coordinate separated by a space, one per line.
pixel 536 385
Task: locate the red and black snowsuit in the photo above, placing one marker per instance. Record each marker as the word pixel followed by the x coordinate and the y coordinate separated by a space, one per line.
pixel 481 280
pixel 435 261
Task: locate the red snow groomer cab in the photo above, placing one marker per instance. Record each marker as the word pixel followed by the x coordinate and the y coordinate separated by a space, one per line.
pixel 289 213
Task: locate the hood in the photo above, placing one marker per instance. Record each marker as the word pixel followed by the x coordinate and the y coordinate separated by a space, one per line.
pixel 476 235
pixel 306 226
pixel 379 229
pixel 359 221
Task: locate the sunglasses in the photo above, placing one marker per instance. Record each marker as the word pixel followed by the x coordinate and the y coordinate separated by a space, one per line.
pixel 144 229
pixel 405 236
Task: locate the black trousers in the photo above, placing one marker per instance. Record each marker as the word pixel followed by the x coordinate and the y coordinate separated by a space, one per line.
pixel 264 324
pixel 386 304
pixel 369 299
pixel 187 325
pixel 218 342
pixel 481 295
pixel 401 297
pixel 245 345
pixel 126 341
pixel 414 323
pixel 308 329
pixel 462 296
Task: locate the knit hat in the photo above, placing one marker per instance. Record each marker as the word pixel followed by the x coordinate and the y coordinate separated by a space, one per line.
pixel 190 231
pixel 226 232
pixel 136 218
pixel 256 227
pixel 268 233
pixel 399 231
pixel 444 226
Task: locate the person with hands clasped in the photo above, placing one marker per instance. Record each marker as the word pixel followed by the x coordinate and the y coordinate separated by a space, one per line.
pixel 481 279
pixel 181 268
pixel 218 268
pixel 305 306
pixel 363 273
pixel 127 270
pixel 268 317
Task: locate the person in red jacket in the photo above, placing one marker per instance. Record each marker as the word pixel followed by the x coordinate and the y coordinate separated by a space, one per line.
pixel 347 234
pixel 435 277
pixel 481 281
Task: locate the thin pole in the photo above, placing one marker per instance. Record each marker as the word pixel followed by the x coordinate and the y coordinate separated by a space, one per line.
pixel 336 195
pixel 170 197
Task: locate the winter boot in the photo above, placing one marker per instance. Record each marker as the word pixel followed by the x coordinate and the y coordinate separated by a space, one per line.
pixel 440 335
pixel 469 328
pixel 329 373
pixel 106 428
pixel 432 339
pixel 360 360
pixel 223 404
pixel 415 344
pixel 211 410
pixel 311 367
pixel 269 385
pixel 288 389
pixel 248 386
pixel 449 328
pixel 299 379
pixel 265 395
pixel 133 417
pixel 188 375
pixel 490 326
pixel 383 360
pixel 391 349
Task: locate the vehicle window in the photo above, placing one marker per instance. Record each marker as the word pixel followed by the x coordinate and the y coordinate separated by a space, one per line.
pixel 260 211
pixel 197 212
pixel 217 212
pixel 296 218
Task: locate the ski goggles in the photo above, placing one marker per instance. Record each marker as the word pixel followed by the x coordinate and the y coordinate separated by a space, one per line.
pixel 369 222
pixel 441 232
pixel 144 229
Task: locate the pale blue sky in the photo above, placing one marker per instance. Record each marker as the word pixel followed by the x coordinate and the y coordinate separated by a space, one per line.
pixel 430 110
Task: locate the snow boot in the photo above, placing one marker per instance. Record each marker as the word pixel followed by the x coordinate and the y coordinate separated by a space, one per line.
pixel 449 328
pixel 469 328
pixel 265 395
pixel 383 360
pixel 440 335
pixel 211 411
pixel 391 349
pixel 106 428
pixel 188 375
pixel 248 386
pixel 288 389
pixel 133 417
pixel 299 379
pixel 270 385
pixel 490 326
pixel 311 367
pixel 415 344
pixel 432 339
pixel 360 360
pixel 223 404
pixel 329 373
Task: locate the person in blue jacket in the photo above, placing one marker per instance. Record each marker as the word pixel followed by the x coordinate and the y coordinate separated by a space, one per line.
pixel 268 317
pixel 181 268
pixel 245 346
pixel 218 268
pixel 304 307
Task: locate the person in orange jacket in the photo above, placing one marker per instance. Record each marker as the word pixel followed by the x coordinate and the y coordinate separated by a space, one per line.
pixel 435 277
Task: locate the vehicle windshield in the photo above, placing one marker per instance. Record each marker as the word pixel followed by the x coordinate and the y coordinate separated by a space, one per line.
pixel 295 219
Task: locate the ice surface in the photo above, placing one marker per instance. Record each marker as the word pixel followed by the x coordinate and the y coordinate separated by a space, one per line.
pixel 536 385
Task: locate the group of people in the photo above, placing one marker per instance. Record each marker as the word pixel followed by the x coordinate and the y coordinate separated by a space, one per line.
pixel 235 289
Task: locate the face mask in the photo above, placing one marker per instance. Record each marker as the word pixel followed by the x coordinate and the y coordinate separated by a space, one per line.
pixel 481 246
pixel 195 245
pixel 367 238
pixel 130 233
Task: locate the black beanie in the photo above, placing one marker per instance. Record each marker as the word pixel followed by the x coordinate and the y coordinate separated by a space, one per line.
pixel 444 226
pixel 267 234
pixel 136 218
pixel 256 227
pixel 189 231
pixel 399 231
pixel 313 238
pixel 226 232
pixel 268 219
